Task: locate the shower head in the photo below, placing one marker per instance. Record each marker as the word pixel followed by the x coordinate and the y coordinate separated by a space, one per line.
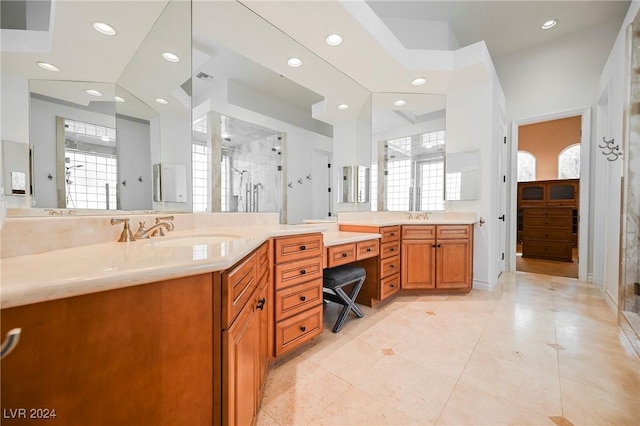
pixel 238 170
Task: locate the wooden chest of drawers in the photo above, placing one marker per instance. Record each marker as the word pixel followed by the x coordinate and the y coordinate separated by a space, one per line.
pixel 298 290
pixel 547 233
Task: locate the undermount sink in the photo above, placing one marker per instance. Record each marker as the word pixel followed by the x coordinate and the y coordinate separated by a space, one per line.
pixel 188 241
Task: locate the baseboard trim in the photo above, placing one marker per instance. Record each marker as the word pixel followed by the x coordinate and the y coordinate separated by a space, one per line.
pixel 590 277
pixel 485 285
pixel 612 302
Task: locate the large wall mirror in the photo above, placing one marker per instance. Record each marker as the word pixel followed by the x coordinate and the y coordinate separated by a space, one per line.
pixel 93 143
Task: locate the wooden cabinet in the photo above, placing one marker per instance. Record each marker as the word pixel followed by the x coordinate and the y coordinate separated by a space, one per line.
pixel 547 233
pixel 539 199
pixel 246 347
pixel 381 260
pixel 298 290
pixel 437 257
pixel 140 355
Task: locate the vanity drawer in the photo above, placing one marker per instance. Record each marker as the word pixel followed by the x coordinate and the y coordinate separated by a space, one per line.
pixel 389 286
pixel 389 266
pixel 262 258
pixel 390 233
pixel 366 249
pixel 293 300
pixel 389 249
pixel 298 329
pixel 299 247
pixel 423 232
pixel 298 272
pixel 450 232
pixel 548 234
pixel 238 285
pixel 340 255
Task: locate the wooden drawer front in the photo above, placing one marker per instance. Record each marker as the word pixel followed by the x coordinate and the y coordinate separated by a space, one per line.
pixel 294 273
pixel 298 329
pixel 299 247
pixel 389 286
pixel 390 249
pixel 426 232
pixel 366 249
pixel 340 255
pixel 444 232
pixel 547 249
pixel 547 234
pixel 389 266
pixel 390 233
pixel 548 212
pixel 293 300
pixel 547 222
pixel 237 287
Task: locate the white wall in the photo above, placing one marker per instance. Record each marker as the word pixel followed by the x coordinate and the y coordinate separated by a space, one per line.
pixel 422 34
pixel 606 179
pixel 543 79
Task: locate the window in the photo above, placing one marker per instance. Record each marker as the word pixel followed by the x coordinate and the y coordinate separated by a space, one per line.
pixel 200 165
pixel 526 166
pixel 373 187
pixel 569 162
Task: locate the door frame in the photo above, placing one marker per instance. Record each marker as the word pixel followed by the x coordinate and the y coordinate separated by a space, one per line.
pixel 585 161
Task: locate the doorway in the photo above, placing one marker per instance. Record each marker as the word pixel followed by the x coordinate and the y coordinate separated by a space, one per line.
pixel 549 160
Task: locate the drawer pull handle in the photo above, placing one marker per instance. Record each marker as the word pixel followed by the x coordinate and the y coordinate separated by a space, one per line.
pixel 344 254
pixel 303 271
pixel 303 247
pixel 303 328
pixel 393 234
pixel 369 248
pixel 261 303
pixel 392 249
pixel 392 285
pixel 392 266
pixel 434 246
pixel 303 298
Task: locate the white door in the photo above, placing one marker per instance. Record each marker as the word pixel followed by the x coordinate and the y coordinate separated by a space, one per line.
pixel 502 197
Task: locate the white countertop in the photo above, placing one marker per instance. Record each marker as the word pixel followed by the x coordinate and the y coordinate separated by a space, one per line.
pixel 391 222
pixel 88 269
pixel 334 238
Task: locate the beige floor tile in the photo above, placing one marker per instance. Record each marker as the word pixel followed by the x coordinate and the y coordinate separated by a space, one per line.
pixel 264 419
pixel 356 407
pixel 471 406
pixel 417 391
pixel 588 405
pixel 525 386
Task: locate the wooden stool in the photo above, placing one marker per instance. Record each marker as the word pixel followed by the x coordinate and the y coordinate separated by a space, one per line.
pixel 333 280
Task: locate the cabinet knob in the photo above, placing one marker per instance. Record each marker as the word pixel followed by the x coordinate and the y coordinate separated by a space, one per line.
pixel 392 249
pixel 303 328
pixel 261 303
pixel 369 249
pixel 344 254
pixel 392 285
pixel 303 271
pixel 434 246
pixel 303 247
pixel 303 298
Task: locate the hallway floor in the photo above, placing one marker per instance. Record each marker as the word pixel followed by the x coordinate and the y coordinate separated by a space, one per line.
pixel 541 350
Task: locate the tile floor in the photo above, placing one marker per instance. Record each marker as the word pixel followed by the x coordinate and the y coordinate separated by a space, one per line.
pixel 541 350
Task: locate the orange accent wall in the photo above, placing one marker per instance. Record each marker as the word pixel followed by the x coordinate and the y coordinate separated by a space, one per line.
pixel 546 140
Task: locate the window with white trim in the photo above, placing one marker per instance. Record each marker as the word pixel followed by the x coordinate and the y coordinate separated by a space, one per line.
pixel 526 166
pixel 569 162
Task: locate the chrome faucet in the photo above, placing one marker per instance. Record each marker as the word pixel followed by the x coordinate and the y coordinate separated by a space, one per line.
pixel 143 232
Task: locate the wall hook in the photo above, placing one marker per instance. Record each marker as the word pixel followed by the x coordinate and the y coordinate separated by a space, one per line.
pixel 49 176
pixel 609 151
pixel 308 177
pixel 290 184
pixel 13 337
pixel 300 181
pixel 140 179
pixel 124 182
pixel 481 221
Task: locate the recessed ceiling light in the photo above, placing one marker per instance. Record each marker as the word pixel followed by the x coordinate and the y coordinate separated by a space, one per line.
pixel 119 99
pixel 549 24
pixel 162 101
pixel 47 66
pixel 333 40
pixel 294 62
pixel 171 57
pixel 419 81
pixel 103 28
pixel 400 102
pixel 343 106
pixel 93 92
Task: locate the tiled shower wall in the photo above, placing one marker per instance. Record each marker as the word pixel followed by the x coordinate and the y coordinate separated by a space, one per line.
pixel 631 195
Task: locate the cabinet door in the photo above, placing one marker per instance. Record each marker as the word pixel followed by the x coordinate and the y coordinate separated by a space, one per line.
pixel 264 305
pixel 531 194
pixel 453 264
pixel 418 264
pixel 240 360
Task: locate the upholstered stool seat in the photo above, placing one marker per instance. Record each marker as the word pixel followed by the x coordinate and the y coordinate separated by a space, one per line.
pixel 333 280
